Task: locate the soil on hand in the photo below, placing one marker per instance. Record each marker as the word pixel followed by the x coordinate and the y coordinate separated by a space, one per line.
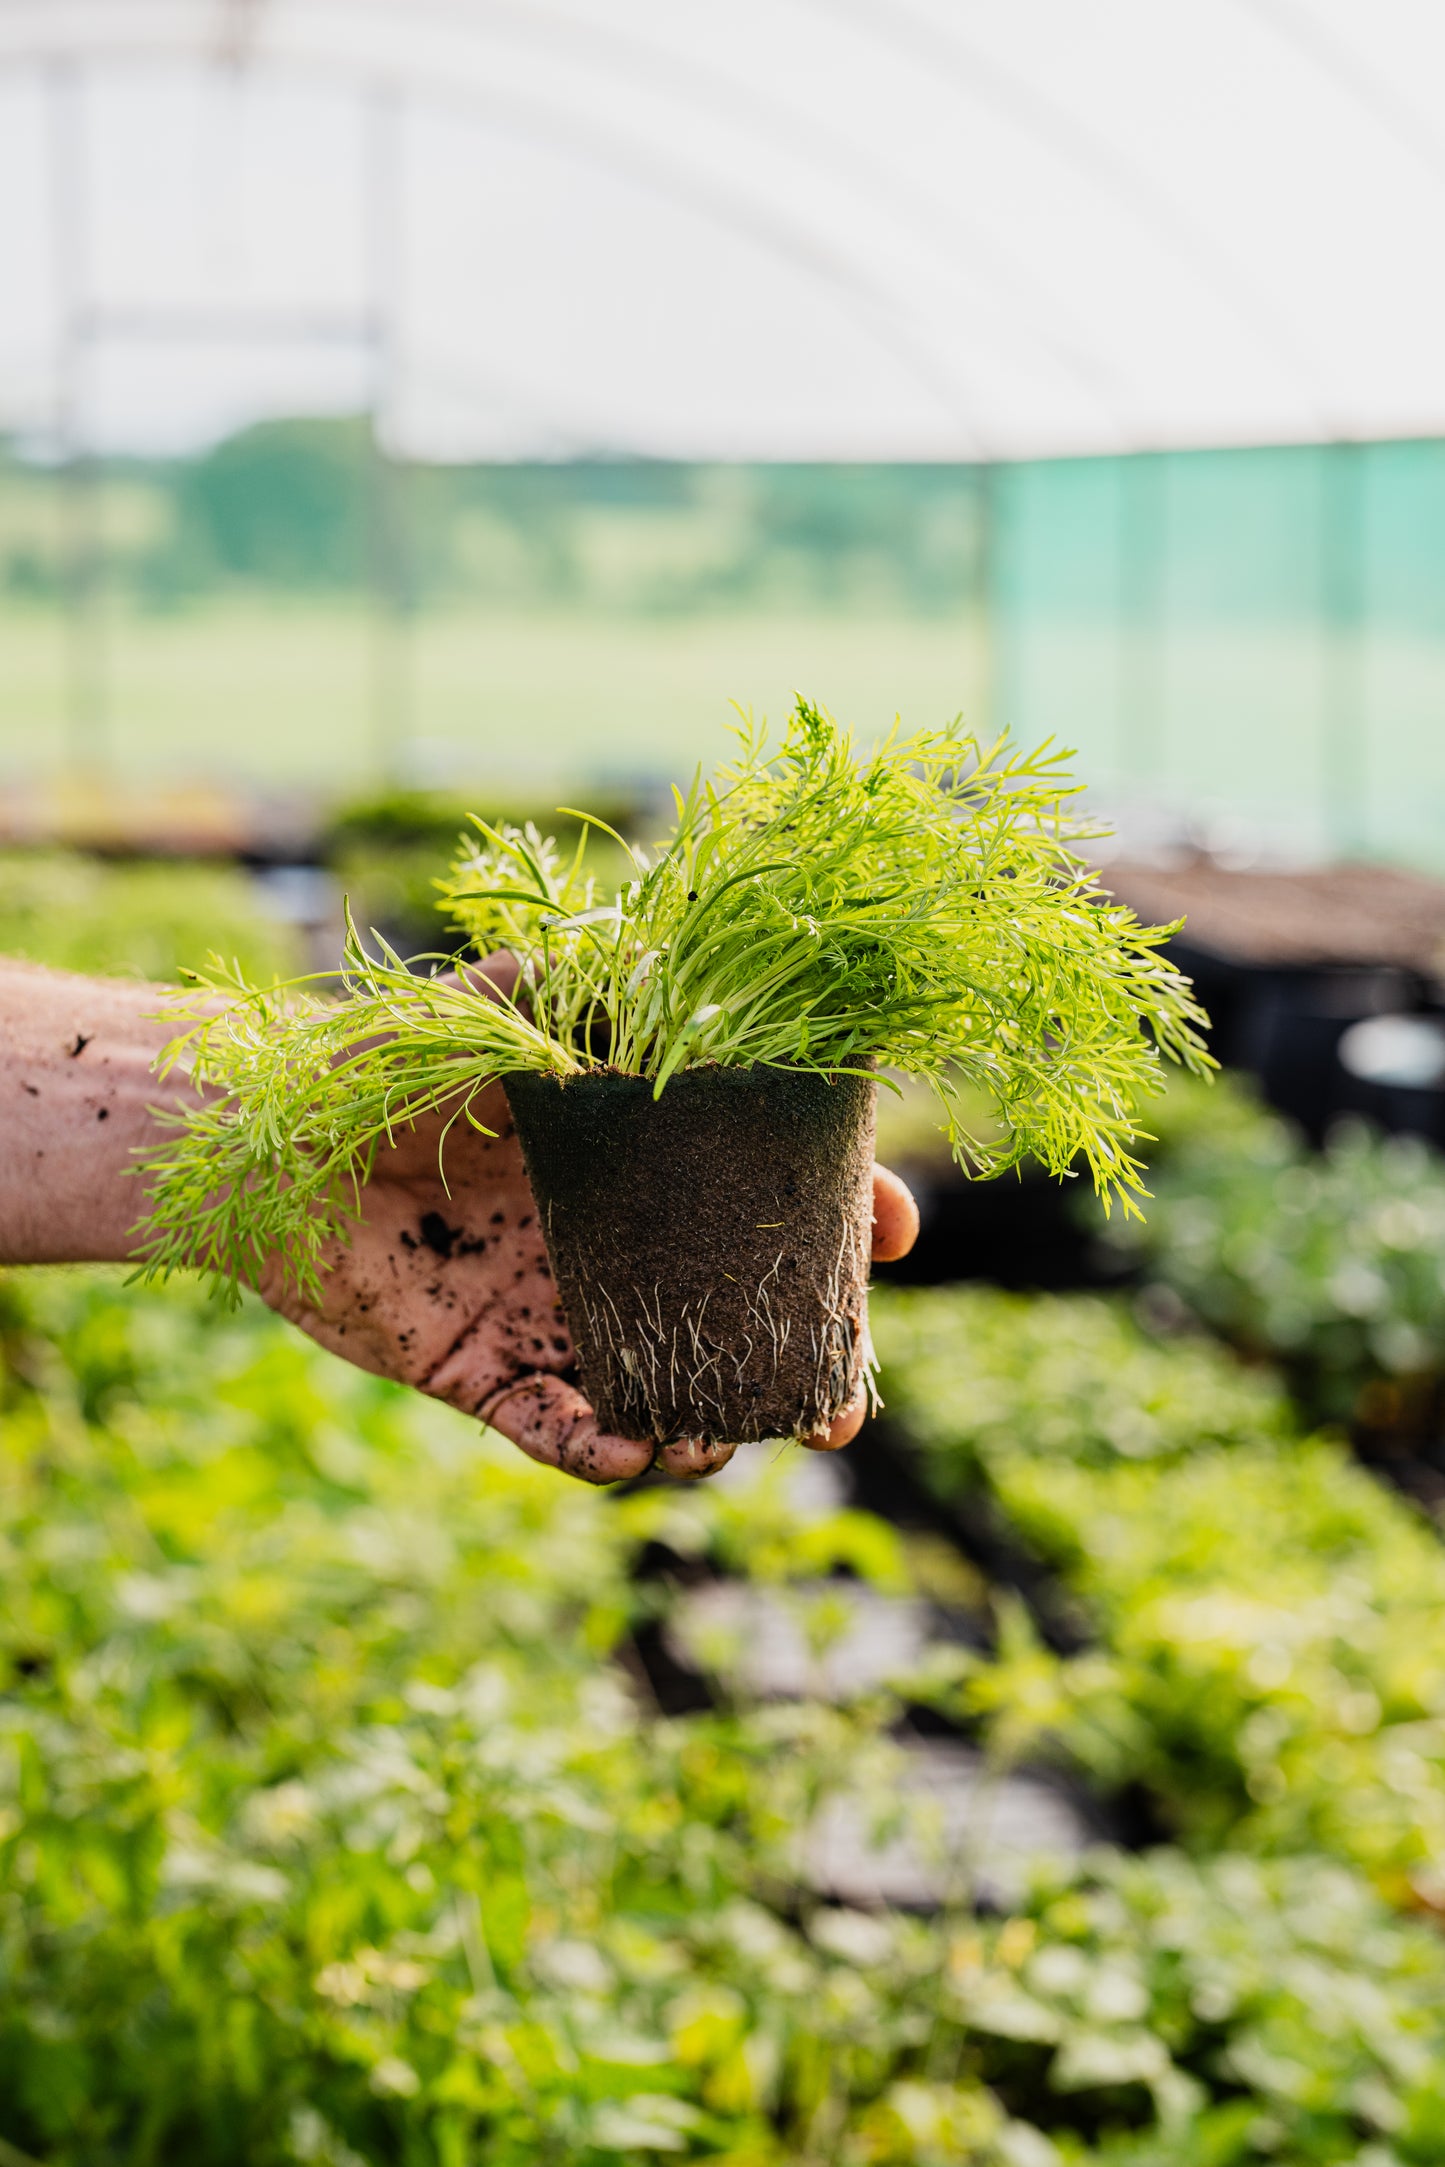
pixel 710 1246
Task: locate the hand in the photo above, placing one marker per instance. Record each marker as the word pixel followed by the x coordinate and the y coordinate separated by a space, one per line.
pixel 448 1293
pixel 453 1294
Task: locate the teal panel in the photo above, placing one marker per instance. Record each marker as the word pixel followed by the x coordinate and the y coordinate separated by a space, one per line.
pixel 1250 640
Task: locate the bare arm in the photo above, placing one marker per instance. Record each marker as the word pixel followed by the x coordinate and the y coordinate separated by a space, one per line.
pixel 76 1093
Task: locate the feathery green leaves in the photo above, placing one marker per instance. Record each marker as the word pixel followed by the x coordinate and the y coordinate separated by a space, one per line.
pixel 923 906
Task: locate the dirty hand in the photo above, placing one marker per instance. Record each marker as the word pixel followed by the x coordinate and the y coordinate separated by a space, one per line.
pixel 453 1294
pixel 450 1293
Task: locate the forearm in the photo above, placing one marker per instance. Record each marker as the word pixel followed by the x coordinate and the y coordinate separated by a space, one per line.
pixel 78 1093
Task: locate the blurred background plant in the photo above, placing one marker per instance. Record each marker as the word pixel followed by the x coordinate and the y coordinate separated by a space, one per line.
pixel 1331 1264
pixel 130 918
pixel 365 1790
pixel 338 1819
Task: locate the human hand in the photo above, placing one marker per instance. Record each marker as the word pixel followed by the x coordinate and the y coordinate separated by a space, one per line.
pixel 448 1292
pixel 452 1293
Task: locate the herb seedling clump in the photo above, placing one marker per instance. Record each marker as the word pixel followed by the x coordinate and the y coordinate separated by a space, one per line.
pixel 816 913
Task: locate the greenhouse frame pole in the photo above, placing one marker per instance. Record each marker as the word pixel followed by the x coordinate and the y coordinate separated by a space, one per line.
pixel 390 692
pixel 85 672
pixel 987 627
pixel 1143 600
pixel 1344 772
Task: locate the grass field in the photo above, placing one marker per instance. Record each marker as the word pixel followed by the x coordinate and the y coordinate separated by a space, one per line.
pixel 283 696
pixel 1235 727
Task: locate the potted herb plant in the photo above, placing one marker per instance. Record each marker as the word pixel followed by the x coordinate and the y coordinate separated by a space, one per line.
pixel 691 1061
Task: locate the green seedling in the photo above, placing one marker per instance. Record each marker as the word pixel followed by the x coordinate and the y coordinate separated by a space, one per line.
pixel 923 906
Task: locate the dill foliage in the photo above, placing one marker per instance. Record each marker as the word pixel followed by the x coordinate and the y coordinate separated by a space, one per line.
pixel 922 906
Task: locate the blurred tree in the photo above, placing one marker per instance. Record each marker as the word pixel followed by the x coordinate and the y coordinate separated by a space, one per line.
pixel 284 501
pixel 284 505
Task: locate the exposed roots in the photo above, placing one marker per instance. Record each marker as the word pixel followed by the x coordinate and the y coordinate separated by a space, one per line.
pixel 680 1379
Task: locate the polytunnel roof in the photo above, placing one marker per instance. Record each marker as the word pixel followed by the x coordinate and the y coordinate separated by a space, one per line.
pixel 775 228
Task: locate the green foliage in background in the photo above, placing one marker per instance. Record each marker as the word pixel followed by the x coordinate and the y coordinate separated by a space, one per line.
pixel 329 1832
pixel 135 919
pixel 385 849
pixel 982 1378
pixel 285 506
pixel 1222 1114
pixel 1220 1111
pixel 286 502
pixel 1267 1617
pixel 337 1830
pixel 1273 2011
pixel 1329 1263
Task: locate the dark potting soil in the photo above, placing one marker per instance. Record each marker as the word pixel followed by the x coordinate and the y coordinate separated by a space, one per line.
pixel 710 1246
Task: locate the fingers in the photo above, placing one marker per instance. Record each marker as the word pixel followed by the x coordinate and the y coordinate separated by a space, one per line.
pixel 895 1230
pixel 844 1427
pixel 552 1423
pixel 895 1217
pixel 693 1458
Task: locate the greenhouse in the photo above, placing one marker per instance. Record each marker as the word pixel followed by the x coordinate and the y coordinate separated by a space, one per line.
pixel 722 1005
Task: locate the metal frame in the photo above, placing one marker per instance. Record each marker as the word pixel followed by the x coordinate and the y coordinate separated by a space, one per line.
pixel 376 329
pixel 84 323
pixel 1343 718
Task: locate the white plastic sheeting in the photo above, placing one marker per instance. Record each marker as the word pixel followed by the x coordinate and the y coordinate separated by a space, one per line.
pixel 774 228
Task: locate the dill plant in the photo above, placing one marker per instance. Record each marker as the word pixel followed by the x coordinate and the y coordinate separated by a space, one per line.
pixel 922 906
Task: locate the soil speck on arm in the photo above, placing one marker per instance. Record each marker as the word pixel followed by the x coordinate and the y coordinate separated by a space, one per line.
pixel 82 1040
pixel 440 1238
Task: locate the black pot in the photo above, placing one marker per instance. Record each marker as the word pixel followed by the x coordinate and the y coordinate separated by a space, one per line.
pixel 710 1246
